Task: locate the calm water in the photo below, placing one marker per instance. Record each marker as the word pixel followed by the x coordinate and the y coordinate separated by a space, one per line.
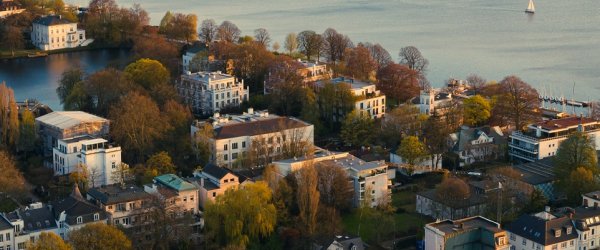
pixel 556 47
pixel 38 77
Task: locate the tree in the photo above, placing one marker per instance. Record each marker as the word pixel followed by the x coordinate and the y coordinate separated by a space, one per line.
pixel 251 62
pixel 121 174
pixel 81 176
pixel 208 31
pixel 276 46
pixel 106 87
pixel 336 192
pixel 334 45
pixel 357 129
pixel 27 133
pixel 58 6
pixel 517 103
pixel 307 196
pixel 309 43
pixel 99 236
pixel 291 43
pixel 412 57
pixel 153 46
pixel 9 117
pixel 48 241
pixel 262 36
pixel 477 110
pixel 166 22
pixel 412 151
pixel 379 54
pixel 177 138
pixel 160 163
pixel 286 86
pixel 242 216
pixel 185 27
pixel 70 78
pixel 453 189
pixel 476 82
pixel 136 125
pixel 405 120
pixel 435 134
pixel 335 101
pixel 202 142
pixel 12 39
pixel 359 63
pixel 228 32
pixel 578 150
pixel 595 110
pixel 537 202
pixel 11 180
pixel 580 181
pixel 147 73
pixel 398 81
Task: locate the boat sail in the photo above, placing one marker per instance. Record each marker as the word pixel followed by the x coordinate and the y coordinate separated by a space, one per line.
pixel 530 7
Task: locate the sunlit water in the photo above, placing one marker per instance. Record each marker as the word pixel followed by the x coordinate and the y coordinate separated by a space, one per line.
pixel 552 50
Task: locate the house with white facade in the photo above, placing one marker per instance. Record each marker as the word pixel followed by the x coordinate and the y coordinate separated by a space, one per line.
pixel 7 234
pixel 209 92
pixel 180 196
pixel 470 233
pixel 99 157
pixel 477 144
pixel 259 133
pixel 127 206
pixel 370 180
pixel 68 124
pixel 55 32
pixel 75 212
pixel 29 222
pixel 368 100
pixel 434 100
pixel 542 139
pixel 543 231
pixel 10 7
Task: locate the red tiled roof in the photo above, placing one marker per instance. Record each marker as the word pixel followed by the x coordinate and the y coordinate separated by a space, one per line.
pixel 564 123
pixel 258 127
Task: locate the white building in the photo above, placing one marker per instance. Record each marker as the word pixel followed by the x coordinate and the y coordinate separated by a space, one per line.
pixel 10 7
pixel 543 231
pixel 432 162
pixel 369 100
pixel 264 135
pixel 433 100
pixel 469 233
pixel 191 52
pixel 100 158
pixel 369 179
pixel 542 139
pixel 54 32
pixel 7 234
pixel 209 92
pixel 477 144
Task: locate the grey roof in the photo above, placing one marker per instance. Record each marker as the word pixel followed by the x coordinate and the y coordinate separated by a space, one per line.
pixel 348 242
pixel 51 20
pixel 593 194
pixel 35 219
pixel 536 173
pixel 473 200
pixel 4 223
pixel 466 135
pixel 113 194
pixel 466 224
pixel 215 171
pixel 68 119
pixel 351 161
pixel 75 206
pixel 586 217
pixel 78 138
pixel 541 230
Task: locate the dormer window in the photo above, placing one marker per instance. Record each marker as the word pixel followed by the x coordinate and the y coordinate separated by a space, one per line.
pixel 569 230
pixel 557 232
pixel 79 220
pixel 96 217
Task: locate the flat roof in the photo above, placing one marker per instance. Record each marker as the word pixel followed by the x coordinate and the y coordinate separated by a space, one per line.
pixel 78 139
pixel 467 224
pixel 68 119
pixel 206 76
pixel 564 123
pixel 113 194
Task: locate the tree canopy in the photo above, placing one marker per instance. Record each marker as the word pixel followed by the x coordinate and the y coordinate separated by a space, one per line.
pixel 99 236
pixel 357 129
pixel 147 73
pixel 477 110
pixel 48 241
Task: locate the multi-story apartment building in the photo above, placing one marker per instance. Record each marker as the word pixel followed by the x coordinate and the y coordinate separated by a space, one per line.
pixel 260 134
pixel 542 231
pixel 99 157
pixel 209 92
pixel 127 206
pixel 469 233
pixel 7 234
pixel 371 181
pixel 68 124
pixel 542 139
pixel 213 181
pixel 29 222
pixel 368 100
pixel 55 32
pixel 180 196
pixel 10 7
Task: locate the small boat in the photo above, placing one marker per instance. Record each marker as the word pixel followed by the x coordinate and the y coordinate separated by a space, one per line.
pixel 530 7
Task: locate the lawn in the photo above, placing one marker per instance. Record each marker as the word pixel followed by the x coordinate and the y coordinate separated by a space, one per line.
pixel 406 222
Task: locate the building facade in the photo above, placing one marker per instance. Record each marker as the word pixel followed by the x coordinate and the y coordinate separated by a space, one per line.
pixel 180 196
pixel 55 32
pixel 68 124
pixel 473 145
pixel 126 206
pixel 213 181
pixel 469 233
pixel 209 92
pixel 431 204
pixel 367 99
pixel 542 231
pixel 259 136
pixel 542 139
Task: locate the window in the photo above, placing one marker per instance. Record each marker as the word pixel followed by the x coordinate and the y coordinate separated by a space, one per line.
pixel 117 222
pixel 126 221
pixel 558 231
pixel 114 165
pixel 234 156
pixel 96 217
pixel 214 194
pixel 524 242
pixel 7 236
pixel 79 220
pixel 563 245
pixel 225 147
pixel 243 144
pixel 513 237
pixel 225 157
pixel 184 198
pixel 1 238
pixel 234 145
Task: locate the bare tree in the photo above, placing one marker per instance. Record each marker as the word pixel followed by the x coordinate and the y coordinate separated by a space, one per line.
pixel 276 46
pixel 208 30
pixel 94 176
pixel 412 57
pixel 517 102
pixel 168 223
pixel 291 43
pixel 476 82
pixel 307 196
pixel 381 56
pixel 334 45
pixel 228 32
pixel 309 43
pixel 262 36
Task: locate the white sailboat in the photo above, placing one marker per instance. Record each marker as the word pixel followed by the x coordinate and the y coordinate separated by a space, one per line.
pixel 530 7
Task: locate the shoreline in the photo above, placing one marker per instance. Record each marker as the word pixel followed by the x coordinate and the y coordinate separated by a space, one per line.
pixel 41 53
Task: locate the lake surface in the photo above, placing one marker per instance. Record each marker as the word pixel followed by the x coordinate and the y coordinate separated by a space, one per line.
pixel 551 50
pixel 38 78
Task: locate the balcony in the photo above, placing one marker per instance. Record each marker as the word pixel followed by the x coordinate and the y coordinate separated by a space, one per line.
pixel 530 150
